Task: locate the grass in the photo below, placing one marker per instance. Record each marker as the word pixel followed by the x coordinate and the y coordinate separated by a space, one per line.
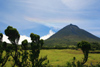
pixel 61 57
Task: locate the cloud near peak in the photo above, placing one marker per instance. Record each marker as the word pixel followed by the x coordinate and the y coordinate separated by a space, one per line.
pixel 48 35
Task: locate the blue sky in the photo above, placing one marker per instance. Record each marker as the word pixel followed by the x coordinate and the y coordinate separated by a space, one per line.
pixel 46 17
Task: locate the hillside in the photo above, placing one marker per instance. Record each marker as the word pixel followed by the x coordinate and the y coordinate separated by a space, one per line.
pixel 70 35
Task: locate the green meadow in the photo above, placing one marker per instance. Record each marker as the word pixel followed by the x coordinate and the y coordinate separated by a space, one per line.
pixel 61 57
pixel 58 57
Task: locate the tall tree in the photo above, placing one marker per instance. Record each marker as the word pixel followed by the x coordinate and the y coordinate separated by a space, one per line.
pixel 35 47
pixel 85 47
pixel 13 36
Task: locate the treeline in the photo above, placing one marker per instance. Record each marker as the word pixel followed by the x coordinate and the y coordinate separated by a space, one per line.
pixel 94 46
pixel 55 47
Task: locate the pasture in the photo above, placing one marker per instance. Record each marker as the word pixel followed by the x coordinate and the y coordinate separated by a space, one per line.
pixel 61 57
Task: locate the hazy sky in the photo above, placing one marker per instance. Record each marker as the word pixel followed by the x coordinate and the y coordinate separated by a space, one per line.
pixel 46 17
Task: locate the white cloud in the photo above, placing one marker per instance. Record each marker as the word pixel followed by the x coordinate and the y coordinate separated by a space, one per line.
pixel 22 37
pixel 48 35
pixel 5 38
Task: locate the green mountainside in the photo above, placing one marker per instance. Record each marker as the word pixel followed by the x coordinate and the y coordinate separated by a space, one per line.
pixel 70 35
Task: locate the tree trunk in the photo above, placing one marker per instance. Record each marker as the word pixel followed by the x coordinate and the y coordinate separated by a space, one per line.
pixel 85 57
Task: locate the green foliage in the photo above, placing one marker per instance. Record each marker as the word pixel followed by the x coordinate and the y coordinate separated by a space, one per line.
pixel 3 59
pixel 1 35
pixel 74 63
pixel 78 64
pixel 69 64
pixel 85 47
pixel 95 46
pixel 35 47
pixel 24 44
pixel 13 34
pixel 24 54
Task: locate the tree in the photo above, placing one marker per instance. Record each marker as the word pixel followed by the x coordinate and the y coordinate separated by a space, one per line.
pixel 1 36
pixel 85 47
pixel 24 53
pixel 13 36
pixel 35 47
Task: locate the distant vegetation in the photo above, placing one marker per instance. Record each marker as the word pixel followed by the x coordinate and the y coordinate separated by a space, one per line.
pixel 95 46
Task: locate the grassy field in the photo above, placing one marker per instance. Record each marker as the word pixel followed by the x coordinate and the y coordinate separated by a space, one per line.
pixel 61 57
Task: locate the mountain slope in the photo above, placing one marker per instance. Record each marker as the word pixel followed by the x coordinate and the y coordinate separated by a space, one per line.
pixel 70 35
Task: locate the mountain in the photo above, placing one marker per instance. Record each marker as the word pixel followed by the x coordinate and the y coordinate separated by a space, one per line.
pixel 70 35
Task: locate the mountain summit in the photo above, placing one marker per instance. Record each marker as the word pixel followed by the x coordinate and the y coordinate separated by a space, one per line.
pixel 70 35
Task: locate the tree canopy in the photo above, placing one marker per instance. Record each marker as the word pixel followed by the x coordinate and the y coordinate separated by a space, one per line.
pixel 13 34
pixel 84 45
